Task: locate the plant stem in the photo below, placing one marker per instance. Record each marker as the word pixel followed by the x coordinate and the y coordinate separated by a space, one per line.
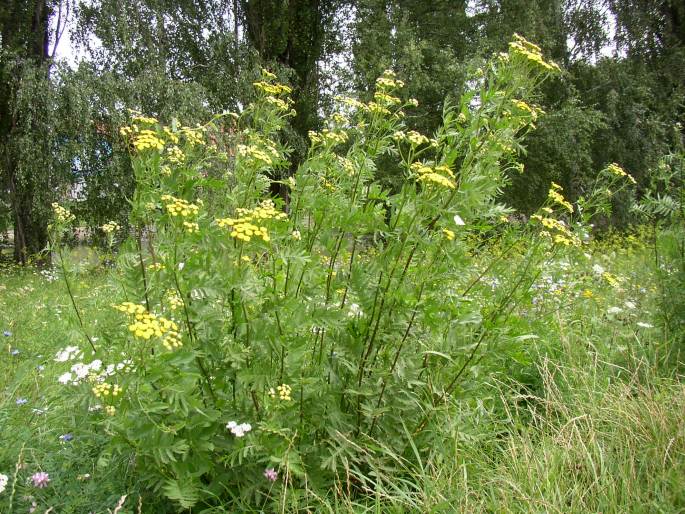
pixel 73 300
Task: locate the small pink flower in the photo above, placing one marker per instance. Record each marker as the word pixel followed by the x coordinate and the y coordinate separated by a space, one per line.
pixel 40 479
pixel 270 474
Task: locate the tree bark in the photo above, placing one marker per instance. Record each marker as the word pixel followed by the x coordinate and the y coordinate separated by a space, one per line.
pixel 25 30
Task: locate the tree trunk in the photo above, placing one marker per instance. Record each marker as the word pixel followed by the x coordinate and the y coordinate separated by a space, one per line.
pixel 24 27
pixel 292 34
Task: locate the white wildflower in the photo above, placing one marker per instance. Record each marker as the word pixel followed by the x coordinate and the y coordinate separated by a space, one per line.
pixel 65 378
pixel 68 353
pixel 238 430
pixel 81 370
pixel 355 310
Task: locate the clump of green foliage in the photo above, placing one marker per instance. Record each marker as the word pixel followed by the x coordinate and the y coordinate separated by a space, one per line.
pixel 263 350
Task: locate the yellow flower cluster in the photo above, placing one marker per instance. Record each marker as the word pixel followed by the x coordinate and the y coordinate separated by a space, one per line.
pixel 449 235
pixel 110 227
pixel 191 227
pixel 273 89
pixel 328 137
pixel 145 120
pixel 148 139
pixel 352 102
pixel 610 279
pixel 386 99
pixel 327 183
pixel 532 52
pixel 560 233
pixel 377 108
pixel 265 157
pixel 62 215
pixel 440 175
pixel 172 340
pixel 110 410
pixel 523 106
pixel 388 81
pixel 156 266
pixel 340 119
pixel 284 391
pixel 413 137
pixel 105 389
pixel 179 207
pixel 171 135
pixel 147 325
pixel 173 300
pixel 615 169
pixel 264 211
pixel 278 103
pixel 243 229
pixel 555 195
pixel 175 155
pixel 130 308
pixel 193 136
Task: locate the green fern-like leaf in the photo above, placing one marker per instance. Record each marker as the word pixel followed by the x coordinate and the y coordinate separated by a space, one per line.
pixel 186 493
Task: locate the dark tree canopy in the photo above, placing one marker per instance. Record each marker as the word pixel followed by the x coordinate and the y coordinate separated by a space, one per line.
pixel 621 92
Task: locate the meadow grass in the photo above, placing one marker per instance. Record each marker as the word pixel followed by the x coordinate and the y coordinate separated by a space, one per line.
pixel 594 423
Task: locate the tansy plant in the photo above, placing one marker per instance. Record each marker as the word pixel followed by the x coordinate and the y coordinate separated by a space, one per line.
pixel 315 336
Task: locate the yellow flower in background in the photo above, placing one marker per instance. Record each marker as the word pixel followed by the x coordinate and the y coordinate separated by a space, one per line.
pixel 555 195
pixel 175 155
pixel 110 227
pixel 616 170
pixel 191 227
pixel 62 215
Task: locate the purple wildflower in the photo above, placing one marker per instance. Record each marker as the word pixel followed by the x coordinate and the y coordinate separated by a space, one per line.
pixel 7 333
pixel 270 474
pixel 15 352
pixel 40 479
pixel 21 401
pixel 66 438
